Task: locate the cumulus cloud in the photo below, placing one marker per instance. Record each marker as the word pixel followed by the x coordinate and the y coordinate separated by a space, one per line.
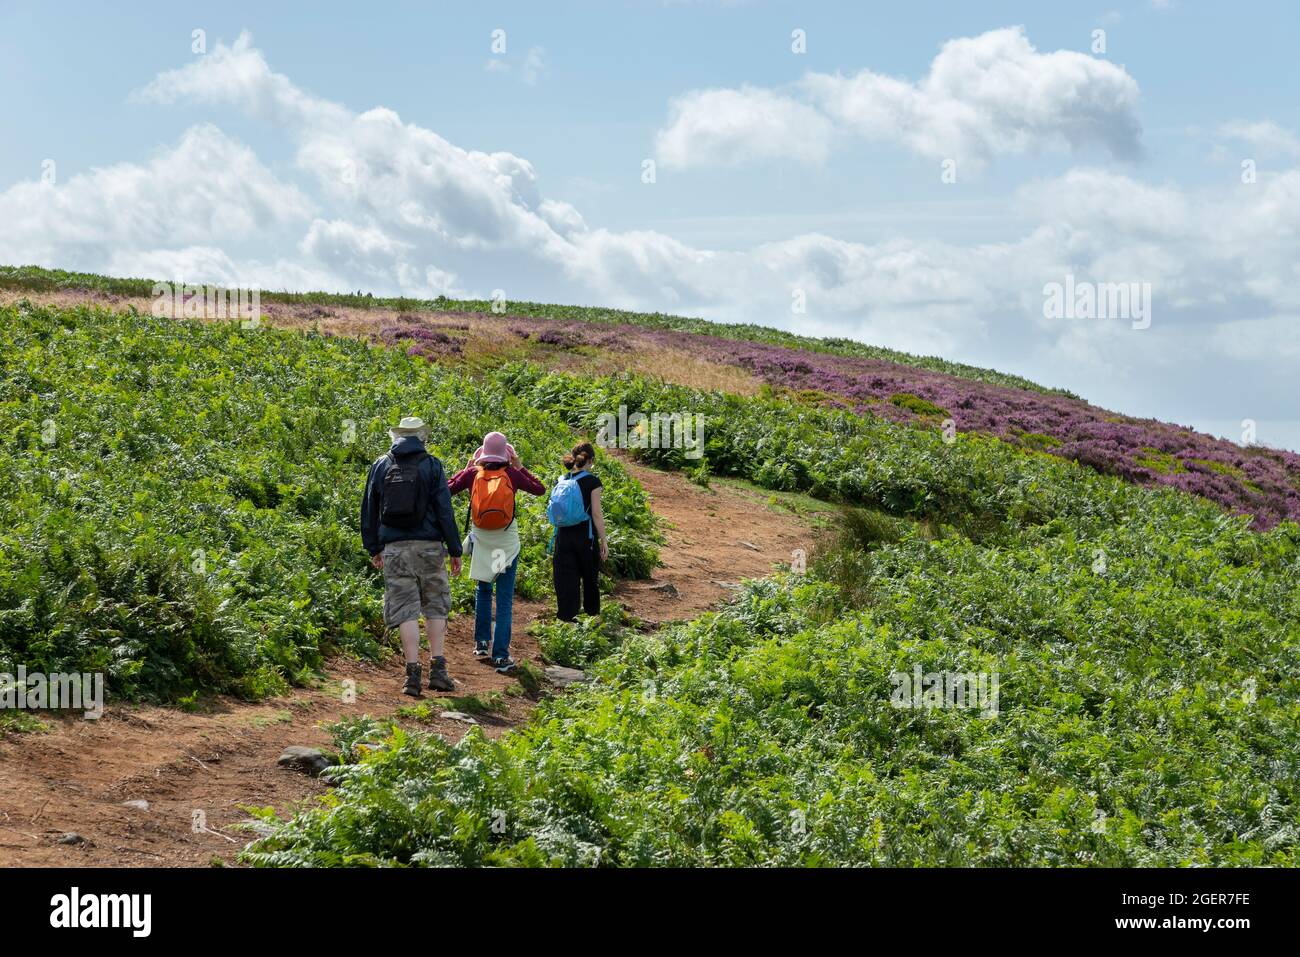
pixel 562 217
pixel 729 127
pixel 238 75
pixel 348 246
pixel 983 96
pixel 989 95
pixel 206 188
pixel 403 199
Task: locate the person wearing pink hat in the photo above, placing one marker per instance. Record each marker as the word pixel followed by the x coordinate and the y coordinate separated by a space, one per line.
pixel 492 476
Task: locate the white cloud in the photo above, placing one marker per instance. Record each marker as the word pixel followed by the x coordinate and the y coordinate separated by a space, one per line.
pixel 562 217
pixel 1108 203
pixel 403 200
pixel 349 247
pixel 728 127
pixel 1262 135
pixel 990 95
pixel 205 189
pixel 238 75
pixel 983 96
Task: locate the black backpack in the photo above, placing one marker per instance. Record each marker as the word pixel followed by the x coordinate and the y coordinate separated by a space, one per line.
pixel 405 498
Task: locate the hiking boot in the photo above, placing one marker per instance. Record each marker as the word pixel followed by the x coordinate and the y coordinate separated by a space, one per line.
pixel 412 686
pixel 439 680
pixel 481 652
pixel 504 665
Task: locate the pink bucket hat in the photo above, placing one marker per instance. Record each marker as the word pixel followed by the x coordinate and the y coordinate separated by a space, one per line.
pixel 495 448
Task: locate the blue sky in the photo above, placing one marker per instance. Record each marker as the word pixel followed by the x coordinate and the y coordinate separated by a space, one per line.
pixel 776 171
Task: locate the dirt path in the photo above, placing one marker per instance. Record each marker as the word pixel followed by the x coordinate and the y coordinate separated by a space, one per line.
pixel 75 777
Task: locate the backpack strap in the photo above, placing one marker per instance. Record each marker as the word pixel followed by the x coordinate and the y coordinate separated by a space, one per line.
pixel 591 533
pixel 469 504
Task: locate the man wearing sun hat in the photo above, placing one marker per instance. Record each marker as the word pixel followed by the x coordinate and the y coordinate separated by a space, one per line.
pixel 408 529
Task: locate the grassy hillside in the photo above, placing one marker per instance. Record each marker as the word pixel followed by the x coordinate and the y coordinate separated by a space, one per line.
pixel 1142 641
pixel 182 500
pixel 183 517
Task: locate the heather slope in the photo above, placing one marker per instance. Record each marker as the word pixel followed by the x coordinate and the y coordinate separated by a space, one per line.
pixel 1260 482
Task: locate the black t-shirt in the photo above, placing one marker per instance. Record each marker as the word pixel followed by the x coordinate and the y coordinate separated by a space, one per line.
pixel 587 484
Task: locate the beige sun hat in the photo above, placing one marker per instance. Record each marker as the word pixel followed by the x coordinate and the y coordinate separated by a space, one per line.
pixel 410 425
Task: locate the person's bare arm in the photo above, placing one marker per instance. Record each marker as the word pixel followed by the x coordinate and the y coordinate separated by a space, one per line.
pixel 598 519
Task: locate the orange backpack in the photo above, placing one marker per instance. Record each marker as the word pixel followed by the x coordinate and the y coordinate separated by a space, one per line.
pixel 492 499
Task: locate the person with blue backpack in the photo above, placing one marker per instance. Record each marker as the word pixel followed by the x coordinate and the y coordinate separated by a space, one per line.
pixel 579 544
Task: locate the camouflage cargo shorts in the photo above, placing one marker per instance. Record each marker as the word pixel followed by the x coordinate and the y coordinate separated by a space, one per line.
pixel 415 582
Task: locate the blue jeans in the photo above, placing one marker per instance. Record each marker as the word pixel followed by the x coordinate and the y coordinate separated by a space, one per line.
pixel 505 588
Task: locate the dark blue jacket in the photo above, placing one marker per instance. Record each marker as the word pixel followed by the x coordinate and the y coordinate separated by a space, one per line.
pixel 439 523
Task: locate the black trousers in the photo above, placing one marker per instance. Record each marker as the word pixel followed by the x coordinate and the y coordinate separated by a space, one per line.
pixel 577 572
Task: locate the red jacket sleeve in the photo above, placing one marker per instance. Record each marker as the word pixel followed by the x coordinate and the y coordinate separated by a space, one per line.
pixel 462 479
pixel 525 481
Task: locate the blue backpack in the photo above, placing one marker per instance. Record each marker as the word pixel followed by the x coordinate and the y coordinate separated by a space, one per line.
pixel 566 507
